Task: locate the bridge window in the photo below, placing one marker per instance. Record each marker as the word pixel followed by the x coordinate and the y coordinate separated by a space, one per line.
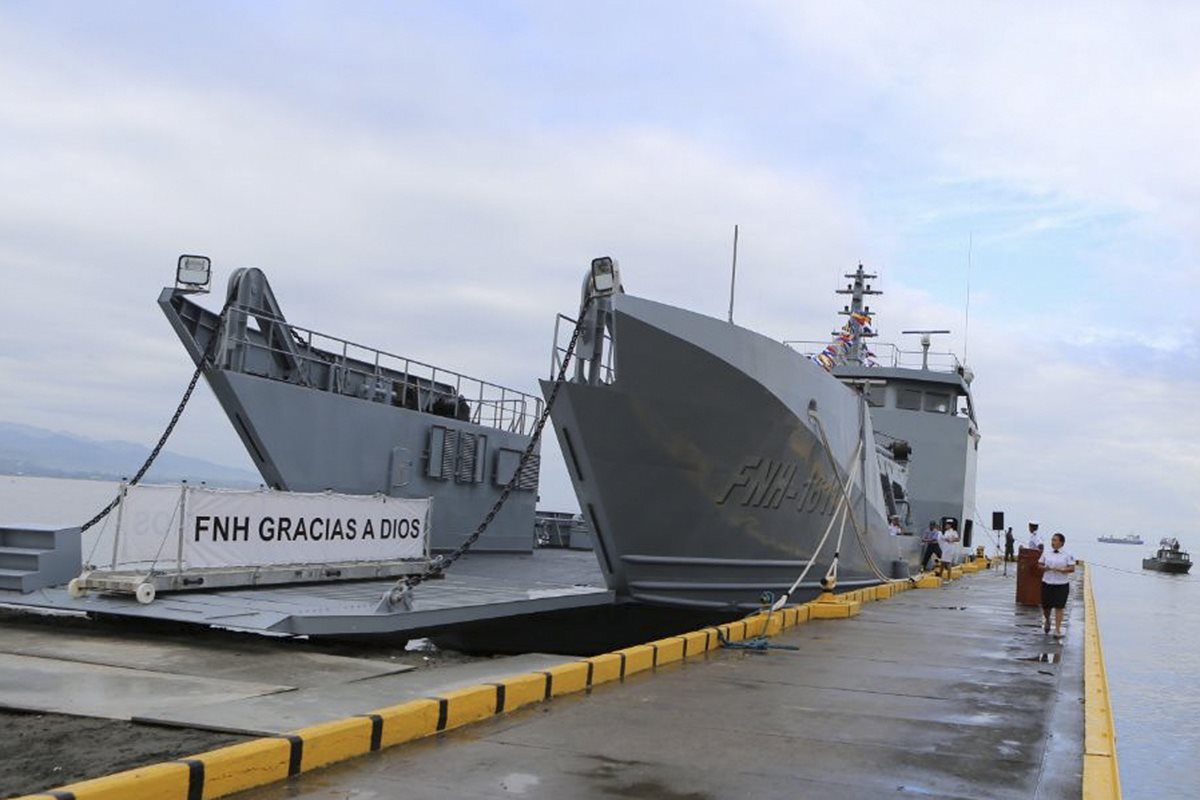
pixel 874 395
pixel 909 399
pixel 937 403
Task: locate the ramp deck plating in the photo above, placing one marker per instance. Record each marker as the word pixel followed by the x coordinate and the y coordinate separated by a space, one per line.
pixel 483 587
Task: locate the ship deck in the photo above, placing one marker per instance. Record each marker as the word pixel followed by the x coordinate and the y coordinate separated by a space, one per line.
pixel 946 692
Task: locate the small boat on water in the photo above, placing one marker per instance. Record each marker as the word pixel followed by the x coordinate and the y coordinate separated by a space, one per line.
pixel 1169 558
pixel 1130 538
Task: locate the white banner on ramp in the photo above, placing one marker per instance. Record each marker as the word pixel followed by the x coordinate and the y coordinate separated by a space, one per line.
pixel 201 528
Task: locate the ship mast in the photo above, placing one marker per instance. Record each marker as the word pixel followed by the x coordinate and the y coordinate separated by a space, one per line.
pixel 858 290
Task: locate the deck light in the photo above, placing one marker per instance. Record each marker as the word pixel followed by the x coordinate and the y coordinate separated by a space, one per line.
pixel 193 273
pixel 606 276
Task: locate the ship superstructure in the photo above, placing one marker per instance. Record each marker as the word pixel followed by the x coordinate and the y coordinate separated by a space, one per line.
pixel 921 406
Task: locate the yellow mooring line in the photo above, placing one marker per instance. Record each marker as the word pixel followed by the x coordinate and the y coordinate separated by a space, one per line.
pixel 1101 778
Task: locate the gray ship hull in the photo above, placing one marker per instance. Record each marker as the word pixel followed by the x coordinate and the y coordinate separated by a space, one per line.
pixel 303 440
pixel 703 476
pixel 356 420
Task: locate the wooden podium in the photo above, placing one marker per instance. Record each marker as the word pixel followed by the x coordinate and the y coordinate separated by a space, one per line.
pixel 1029 577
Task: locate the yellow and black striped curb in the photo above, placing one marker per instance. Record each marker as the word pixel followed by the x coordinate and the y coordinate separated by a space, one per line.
pixel 238 767
pixel 1101 777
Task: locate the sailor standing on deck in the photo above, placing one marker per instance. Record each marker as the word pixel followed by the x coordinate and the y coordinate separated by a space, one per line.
pixel 1035 541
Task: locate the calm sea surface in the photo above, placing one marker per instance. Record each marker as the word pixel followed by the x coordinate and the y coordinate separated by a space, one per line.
pixel 1150 631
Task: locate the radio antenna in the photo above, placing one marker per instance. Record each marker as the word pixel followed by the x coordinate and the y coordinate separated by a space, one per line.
pixel 967 310
pixel 733 274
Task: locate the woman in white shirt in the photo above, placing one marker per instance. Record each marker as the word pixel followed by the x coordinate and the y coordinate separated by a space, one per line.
pixel 948 541
pixel 1057 565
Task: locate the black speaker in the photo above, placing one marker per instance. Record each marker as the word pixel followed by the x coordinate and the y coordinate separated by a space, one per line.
pixel 968 527
pixel 997 520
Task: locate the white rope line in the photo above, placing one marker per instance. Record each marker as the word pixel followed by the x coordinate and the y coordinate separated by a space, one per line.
pixel 166 535
pixel 831 573
pixel 860 534
pixel 96 542
pixel 782 601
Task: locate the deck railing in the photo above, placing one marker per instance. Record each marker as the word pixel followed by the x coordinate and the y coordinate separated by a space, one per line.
pixel 344 367
pixel 564 329
pixel 887 355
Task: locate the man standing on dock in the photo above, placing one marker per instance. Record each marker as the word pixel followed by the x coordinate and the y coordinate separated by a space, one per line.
pixel 930 541
pixel 1009 544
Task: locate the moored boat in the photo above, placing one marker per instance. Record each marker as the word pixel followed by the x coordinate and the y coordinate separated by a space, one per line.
pixel 715 464
pixel 316 413
pixel 1169 557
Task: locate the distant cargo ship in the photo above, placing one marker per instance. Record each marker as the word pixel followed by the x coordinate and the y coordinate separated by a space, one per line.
pixel 1131 538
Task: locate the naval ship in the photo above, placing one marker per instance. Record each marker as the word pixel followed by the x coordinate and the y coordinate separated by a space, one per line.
pixel 715 464
pixel 317 412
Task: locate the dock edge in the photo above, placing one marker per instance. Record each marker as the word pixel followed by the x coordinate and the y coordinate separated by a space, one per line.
pixel 1101 777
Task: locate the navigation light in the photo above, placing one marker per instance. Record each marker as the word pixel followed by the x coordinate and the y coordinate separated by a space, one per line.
pixel 606 276
pixel 193 273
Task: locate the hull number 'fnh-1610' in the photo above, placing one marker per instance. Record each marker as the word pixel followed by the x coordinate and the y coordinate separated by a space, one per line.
pixel 767 483
pixel 301 529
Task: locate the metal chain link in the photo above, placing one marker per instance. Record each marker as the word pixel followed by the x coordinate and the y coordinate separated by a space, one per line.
pixel 162 440
pixel 442 563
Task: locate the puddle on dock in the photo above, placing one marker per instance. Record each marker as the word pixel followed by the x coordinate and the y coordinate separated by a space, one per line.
pixel 519 782
pixel 1044 658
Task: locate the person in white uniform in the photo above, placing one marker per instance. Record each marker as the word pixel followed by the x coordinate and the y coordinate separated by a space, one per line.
pixel 1057 565
pixel 948 541
pixel 1035 540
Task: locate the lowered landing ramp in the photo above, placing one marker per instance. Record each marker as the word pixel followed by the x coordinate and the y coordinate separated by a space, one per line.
pixel 478 588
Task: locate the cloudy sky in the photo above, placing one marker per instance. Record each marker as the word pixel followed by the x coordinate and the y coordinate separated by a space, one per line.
pixel 432 178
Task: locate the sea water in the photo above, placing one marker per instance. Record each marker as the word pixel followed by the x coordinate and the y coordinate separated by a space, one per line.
pixel 1150 632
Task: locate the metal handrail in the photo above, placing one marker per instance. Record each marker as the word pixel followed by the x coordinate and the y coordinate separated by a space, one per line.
pixel 494 405
pixel 887 354
pixel 557 351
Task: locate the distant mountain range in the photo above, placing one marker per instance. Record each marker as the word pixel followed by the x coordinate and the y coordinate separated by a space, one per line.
pixel 26 450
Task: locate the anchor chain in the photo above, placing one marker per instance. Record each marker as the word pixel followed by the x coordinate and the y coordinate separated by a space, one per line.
pixel 205 360
pixel 401 593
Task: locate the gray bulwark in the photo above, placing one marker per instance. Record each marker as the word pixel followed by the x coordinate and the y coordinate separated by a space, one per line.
pixel 316 412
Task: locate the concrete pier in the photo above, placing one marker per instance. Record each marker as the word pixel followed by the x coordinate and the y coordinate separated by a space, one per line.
pixel 945 692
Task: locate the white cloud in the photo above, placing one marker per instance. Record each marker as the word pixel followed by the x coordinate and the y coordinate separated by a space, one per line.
pixel 415 200
pixel 1097 103
pixel 453 249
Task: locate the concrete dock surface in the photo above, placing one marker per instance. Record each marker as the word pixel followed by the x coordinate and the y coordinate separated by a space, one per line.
pixel 947 692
